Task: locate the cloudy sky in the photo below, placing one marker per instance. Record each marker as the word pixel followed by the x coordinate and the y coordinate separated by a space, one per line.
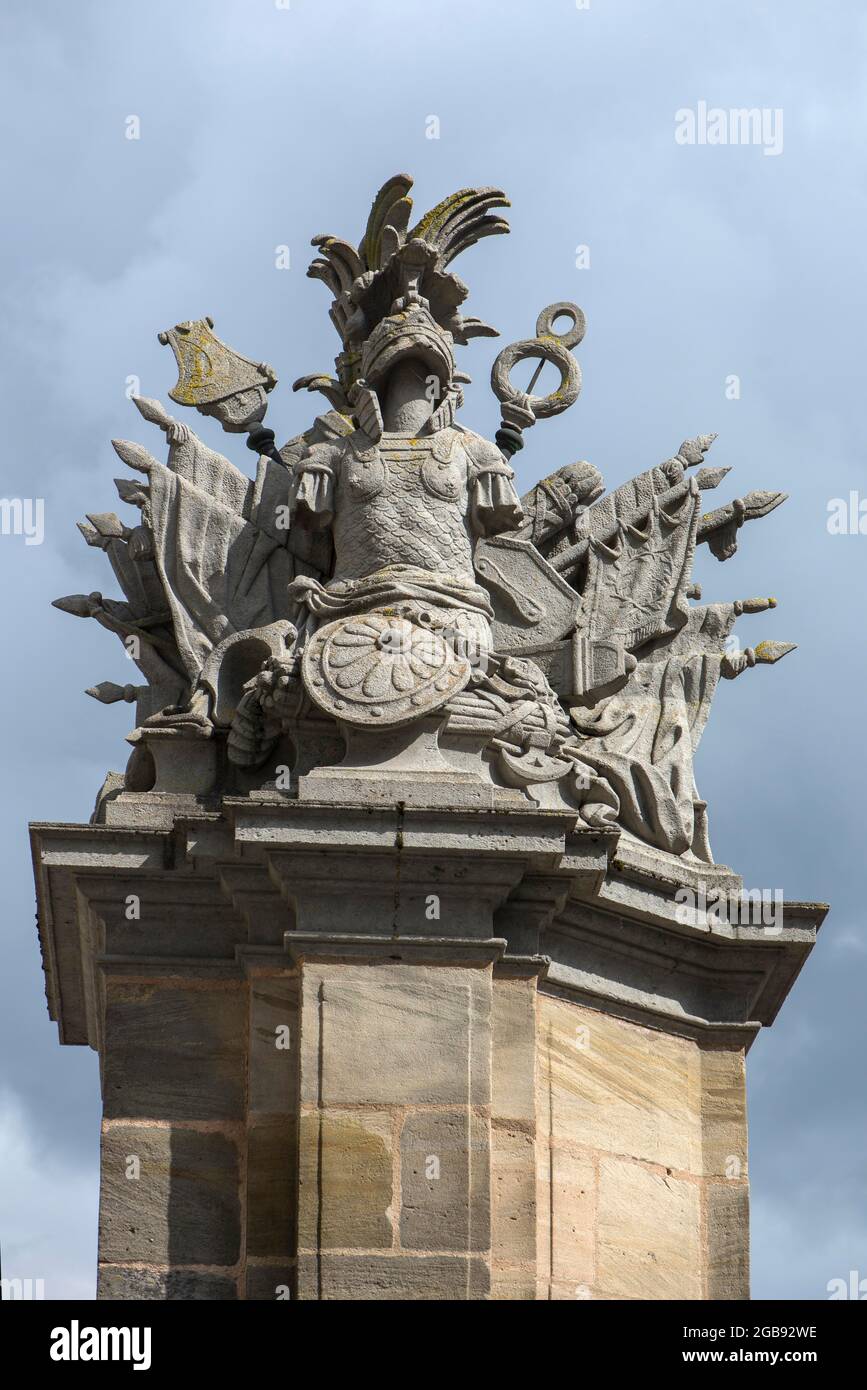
pixel 262 124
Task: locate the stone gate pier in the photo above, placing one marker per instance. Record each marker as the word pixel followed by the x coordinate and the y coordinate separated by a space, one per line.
pixel 400 938
pixel 398 1052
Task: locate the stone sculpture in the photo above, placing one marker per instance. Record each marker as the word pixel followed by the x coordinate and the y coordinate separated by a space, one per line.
pixel 378 598
pixel 399 938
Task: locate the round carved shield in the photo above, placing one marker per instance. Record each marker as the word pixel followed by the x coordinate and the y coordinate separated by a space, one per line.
pixel 380 670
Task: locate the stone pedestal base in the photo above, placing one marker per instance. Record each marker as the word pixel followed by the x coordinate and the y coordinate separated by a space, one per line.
pixel 399 1051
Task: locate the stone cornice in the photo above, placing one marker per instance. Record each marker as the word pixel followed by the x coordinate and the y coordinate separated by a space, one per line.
pixel 526 890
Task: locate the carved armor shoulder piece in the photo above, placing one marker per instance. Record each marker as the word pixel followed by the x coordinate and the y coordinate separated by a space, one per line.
pixel 484 456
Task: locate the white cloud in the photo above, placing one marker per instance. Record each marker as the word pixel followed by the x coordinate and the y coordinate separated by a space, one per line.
pixel 48 1210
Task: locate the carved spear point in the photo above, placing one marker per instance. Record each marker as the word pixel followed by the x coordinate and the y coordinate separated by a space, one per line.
pixel 754 605
pixel 131 491
pixel 79 605
pixel 91 535
pixel 153 411
pixel 109 692
pixel 758 504
pixel 108 525
pixel 708 478
pixel 134 455
pixel 692 450
pixel 769 652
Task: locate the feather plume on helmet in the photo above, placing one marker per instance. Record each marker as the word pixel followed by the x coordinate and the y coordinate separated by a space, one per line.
pixel 394 293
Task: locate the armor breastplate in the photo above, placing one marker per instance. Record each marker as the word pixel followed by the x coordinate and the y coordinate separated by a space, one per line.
pixel 404 502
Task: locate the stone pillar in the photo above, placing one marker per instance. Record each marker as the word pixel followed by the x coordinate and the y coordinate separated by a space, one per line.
pixel 406 1052
pixel 642 1178
pixel 395 1124
pixel 513 1131
pixel 396 943
pixel 271 1137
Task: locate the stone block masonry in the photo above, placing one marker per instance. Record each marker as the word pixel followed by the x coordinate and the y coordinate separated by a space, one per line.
pixel 532 1107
